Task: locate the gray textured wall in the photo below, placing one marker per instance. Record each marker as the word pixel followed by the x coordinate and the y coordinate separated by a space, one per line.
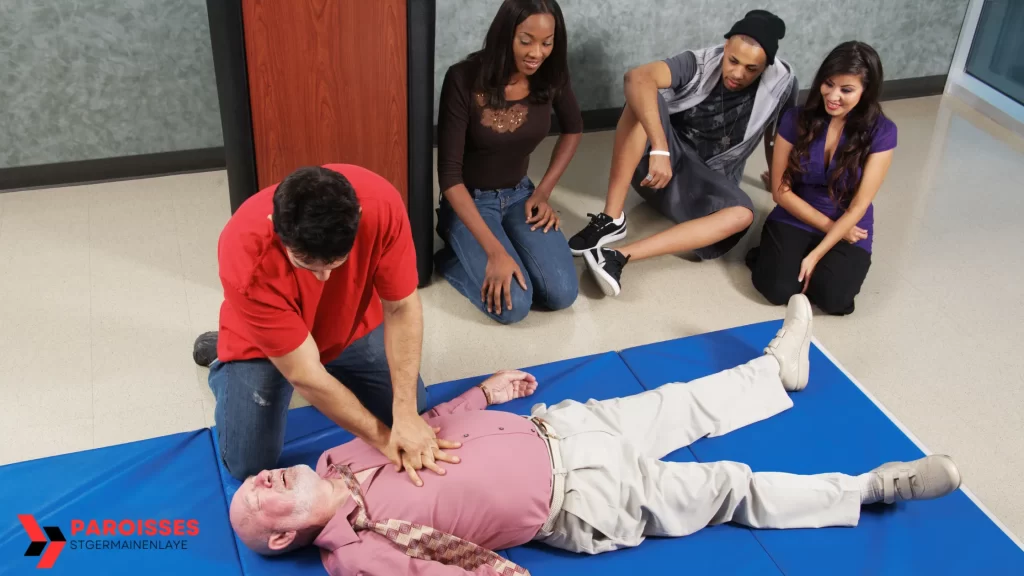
pixel 606 37
pixel 87 79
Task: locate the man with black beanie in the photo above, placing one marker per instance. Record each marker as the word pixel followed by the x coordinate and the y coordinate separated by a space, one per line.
pixel 689 124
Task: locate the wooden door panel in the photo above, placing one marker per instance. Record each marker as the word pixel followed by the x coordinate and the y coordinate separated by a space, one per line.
pixel 327 83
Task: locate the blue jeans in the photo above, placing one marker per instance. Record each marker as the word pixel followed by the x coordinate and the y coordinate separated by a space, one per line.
pixel 545 259
pixel 253 397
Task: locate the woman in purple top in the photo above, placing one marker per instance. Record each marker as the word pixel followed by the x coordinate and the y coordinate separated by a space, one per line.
pixel 830 159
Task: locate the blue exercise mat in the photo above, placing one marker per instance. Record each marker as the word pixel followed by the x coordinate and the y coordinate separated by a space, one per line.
pixel 168 478
pixel 834 427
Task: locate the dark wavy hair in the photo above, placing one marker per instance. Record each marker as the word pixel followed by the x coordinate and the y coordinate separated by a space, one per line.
pixel 316 214
pixel 496 62
pixel 856 59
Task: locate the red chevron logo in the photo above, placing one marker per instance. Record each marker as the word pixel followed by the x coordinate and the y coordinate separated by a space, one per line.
pixel 53 536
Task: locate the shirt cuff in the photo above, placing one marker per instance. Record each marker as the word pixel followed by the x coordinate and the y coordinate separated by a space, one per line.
pixel 474 398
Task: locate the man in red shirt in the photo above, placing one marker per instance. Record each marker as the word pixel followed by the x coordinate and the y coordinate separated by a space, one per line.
pixel 319 277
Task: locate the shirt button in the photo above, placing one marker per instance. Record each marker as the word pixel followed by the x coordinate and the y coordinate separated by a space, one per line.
pixel 465 435
pixel 501 428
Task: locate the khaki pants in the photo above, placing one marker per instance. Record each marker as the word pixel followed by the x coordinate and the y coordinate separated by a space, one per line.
pixel 617 490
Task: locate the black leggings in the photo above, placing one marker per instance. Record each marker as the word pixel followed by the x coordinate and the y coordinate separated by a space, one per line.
pixel 836 279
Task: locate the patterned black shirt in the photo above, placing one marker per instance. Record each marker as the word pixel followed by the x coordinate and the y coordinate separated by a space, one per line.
pixel 719 122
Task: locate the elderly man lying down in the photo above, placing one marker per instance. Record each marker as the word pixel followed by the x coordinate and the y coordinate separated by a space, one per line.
pixel 582 477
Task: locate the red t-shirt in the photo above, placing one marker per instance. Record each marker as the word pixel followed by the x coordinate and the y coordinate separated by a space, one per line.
pixel 270 306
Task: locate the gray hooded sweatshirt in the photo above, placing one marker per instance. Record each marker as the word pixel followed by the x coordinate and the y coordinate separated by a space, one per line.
pixel 777 91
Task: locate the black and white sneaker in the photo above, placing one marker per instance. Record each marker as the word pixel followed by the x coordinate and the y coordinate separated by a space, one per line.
pixel 601 230
pixel 204 351
pixel 606 266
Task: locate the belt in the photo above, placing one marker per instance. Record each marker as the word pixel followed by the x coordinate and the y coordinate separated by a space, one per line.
pixel 557 471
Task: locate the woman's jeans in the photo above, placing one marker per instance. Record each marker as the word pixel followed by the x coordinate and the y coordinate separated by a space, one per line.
pixel 545 259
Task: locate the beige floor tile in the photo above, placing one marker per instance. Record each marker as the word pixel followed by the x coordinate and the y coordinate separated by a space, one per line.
pixel 41 441
pixel 44 292
pixel 27 404
pixel 141 336
pixel 143 367
pixel 201 208
pixel 116 426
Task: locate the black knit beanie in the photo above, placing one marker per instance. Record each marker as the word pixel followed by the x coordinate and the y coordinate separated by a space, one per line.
pixel 763 26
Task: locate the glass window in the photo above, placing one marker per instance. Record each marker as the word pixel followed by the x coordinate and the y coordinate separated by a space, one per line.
pixel 997 53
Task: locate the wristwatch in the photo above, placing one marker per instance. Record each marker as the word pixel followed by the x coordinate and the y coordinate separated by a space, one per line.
pixel 487 395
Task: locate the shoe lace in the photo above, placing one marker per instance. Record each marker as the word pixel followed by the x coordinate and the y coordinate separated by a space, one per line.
pixel 593 229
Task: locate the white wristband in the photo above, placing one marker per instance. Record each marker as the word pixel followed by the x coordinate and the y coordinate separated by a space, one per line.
pixel 659 153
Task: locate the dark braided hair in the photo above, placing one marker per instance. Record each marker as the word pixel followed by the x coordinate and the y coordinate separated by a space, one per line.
pixel 856 59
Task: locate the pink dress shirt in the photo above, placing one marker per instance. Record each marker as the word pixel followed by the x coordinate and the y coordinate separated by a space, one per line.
pixel 498 496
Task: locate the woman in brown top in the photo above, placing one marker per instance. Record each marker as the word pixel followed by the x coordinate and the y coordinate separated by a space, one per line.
pixel 504 246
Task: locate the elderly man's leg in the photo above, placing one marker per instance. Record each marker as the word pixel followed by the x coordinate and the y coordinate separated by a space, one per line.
pixel 680 498
pixel 672 416
pixel 675 415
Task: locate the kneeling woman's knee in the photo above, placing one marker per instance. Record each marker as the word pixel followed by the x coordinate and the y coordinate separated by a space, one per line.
pixel 834 303
pixel 562 290
pixel 521 302
pixel 773 287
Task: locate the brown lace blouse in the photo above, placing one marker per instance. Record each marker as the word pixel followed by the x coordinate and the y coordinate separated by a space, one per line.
pixel 490 149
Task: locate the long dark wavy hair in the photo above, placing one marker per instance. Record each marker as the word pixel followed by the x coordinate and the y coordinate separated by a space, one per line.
pixel 856 59
pixel 496 62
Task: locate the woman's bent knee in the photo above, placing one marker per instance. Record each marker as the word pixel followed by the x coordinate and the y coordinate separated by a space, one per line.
pixel 834 304
pixel 561 290
pixel 522 300
pixel 773 288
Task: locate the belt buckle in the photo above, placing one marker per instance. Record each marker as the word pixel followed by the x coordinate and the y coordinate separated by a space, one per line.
pixel 544 428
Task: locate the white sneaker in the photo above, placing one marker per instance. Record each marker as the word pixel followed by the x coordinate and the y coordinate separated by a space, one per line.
pixel 792 344
pixel 925 479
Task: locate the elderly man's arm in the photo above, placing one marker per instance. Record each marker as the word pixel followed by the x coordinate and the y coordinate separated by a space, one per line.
pixel 502 387
pixel 375 555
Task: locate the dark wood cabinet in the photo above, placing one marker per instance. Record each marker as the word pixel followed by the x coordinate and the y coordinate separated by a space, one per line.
pixel 310 82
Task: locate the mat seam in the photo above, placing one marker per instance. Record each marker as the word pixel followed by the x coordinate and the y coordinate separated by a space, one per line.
pixel 696 459
pixel 224 495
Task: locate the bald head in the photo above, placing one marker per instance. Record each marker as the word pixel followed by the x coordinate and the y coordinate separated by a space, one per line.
pixel 248 524
pixel 277 511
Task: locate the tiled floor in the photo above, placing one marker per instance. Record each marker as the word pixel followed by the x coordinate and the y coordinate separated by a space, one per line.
pixel 104 287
